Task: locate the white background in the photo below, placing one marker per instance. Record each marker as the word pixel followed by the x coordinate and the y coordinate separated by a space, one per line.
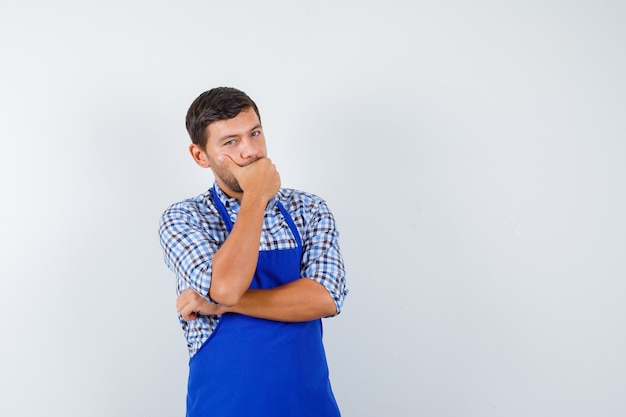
pixel 472 152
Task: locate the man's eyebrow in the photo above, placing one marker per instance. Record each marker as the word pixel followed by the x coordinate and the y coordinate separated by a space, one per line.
pixel 223 138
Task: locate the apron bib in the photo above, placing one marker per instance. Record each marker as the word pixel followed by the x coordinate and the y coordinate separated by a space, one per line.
pixel 254 367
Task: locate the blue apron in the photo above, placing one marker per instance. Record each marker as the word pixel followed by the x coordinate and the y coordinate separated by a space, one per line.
pixel 254 367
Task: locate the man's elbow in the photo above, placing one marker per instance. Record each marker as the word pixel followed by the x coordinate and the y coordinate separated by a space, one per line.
pixel 328 306
pixel 224 295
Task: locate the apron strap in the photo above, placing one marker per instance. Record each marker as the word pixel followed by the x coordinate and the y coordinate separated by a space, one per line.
pixel 229 223
pixel 222 210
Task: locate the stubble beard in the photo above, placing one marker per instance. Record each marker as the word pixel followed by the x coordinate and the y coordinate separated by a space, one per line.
pixel 228 179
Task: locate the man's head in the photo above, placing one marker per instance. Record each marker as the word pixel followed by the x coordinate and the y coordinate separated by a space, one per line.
pixel 219 103
pixel 225 128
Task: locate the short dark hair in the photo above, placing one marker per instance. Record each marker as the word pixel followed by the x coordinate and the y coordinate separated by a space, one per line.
pixel 219 103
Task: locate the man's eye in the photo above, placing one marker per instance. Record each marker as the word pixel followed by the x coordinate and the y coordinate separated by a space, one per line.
pixel 230 142
pixel 256 133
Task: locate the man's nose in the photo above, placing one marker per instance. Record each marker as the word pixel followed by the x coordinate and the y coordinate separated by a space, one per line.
pixel 249 150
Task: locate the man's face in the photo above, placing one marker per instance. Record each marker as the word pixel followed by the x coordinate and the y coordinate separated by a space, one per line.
pixel 241 139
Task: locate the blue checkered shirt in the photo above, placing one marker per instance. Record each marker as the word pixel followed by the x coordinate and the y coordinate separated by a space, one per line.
pixel 192 231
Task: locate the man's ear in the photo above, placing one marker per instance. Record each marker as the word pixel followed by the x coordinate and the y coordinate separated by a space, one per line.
pixel 199 156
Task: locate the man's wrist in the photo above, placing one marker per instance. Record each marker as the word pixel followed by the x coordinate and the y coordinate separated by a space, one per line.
pixel 252 200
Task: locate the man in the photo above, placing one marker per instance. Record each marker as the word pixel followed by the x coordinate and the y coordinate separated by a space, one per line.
pixel 257 267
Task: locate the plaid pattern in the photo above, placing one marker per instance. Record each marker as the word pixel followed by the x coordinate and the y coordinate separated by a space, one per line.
pixel 192 230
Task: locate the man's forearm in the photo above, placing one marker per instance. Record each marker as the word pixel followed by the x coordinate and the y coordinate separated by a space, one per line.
pixel 300 300
pixel 235 262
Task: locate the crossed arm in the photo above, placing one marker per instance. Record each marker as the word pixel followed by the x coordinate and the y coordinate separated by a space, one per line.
pixel 300 300
pixel 233 266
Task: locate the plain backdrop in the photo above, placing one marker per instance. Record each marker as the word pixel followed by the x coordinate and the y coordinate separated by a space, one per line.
pixel 472 153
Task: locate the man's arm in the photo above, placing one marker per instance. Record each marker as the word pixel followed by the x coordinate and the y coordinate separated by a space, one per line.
pixel 300 300
pixel 235 262
pixel 304 299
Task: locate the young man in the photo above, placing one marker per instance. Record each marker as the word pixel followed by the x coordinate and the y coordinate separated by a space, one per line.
pixel 257 267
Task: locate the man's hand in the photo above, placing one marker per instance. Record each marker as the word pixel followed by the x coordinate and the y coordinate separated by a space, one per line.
pixel 258 179
pixel 190 303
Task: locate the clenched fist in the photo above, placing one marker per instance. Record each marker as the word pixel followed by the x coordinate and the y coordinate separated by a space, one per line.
pixel 258 179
